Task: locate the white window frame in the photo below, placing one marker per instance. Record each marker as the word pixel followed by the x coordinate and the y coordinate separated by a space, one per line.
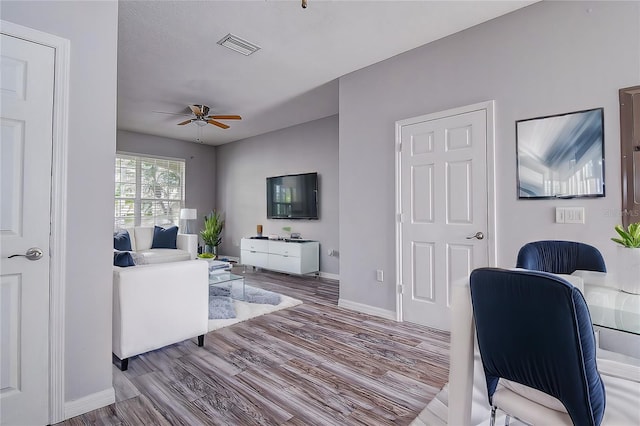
pixel 138 200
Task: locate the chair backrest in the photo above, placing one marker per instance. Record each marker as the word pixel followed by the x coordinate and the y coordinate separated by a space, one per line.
pixel 535 329
pixel 560 257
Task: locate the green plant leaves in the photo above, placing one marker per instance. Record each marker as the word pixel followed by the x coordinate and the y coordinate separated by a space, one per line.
pixel 630 237
pixel 213 225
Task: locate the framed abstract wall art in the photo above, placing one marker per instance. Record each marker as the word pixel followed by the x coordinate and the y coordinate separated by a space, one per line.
pixel 561 156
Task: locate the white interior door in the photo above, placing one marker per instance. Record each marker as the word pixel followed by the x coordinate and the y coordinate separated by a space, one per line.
pixel 26 118
pixel 443 201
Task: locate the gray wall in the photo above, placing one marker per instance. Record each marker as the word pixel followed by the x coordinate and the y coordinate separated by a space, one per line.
pixel 548 58
pixel 243 166
pixel 92 29
pixel 200 174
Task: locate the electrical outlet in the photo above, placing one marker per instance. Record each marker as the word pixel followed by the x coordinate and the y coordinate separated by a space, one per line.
pixel 380 275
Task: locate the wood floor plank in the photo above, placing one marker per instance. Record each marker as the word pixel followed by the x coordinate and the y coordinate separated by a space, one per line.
pixel 313 364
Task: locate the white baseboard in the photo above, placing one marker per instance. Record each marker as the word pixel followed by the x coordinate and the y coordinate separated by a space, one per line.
pixel 89 403
pixel 367 309
pixel 329 276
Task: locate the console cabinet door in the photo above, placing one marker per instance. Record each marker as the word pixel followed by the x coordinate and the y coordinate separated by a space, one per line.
pixel 284 263
pixel 254 258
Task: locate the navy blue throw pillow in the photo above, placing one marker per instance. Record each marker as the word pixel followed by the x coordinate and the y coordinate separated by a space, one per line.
pixel 121 240
pixel 164 238
pixel 122 258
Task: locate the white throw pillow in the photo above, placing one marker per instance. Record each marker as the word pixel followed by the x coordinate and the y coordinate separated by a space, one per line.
pixel 144 237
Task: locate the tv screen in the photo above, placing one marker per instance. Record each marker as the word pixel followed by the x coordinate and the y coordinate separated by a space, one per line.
pixel 292 196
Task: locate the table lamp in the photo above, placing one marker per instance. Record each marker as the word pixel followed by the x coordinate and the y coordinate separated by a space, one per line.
pixel 188 215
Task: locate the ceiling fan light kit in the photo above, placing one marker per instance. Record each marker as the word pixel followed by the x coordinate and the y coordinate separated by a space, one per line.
pixel 202 119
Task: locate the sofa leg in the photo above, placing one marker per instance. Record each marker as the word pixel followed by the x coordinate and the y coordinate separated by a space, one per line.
pixel 201 340
pixel 122 364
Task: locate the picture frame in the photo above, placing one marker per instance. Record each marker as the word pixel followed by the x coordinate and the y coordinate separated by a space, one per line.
pixel 561 156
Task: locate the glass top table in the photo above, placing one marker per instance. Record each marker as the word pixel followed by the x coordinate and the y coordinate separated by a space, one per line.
pixel 609 306
pixel 226 277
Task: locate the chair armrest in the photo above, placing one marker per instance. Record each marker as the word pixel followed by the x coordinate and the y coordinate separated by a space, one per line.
pixel 188 242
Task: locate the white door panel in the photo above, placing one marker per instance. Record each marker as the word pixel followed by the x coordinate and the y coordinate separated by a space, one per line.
pixel 443 186
pixel 26 115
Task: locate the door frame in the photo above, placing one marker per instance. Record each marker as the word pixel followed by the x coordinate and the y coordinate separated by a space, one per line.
pixel 58 230
pixel 489 108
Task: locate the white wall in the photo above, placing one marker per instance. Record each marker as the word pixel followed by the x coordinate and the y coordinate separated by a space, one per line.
pixel 548 58
pixel 92 29
pixel 200 163
pixel 242 168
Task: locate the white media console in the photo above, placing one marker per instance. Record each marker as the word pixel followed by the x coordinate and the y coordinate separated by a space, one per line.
pixel 292 257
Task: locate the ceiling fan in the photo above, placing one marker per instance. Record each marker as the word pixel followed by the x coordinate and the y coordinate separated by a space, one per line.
pixel 202 118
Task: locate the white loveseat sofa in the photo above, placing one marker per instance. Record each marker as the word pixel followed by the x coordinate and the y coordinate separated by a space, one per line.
pixel 161 300
pixel 142 240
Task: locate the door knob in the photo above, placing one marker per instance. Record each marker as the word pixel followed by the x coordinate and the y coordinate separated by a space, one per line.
pixel 34 253
pixel 477 235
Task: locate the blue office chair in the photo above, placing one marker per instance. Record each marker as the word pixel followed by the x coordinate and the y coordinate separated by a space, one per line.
pixel 534 328
pixel 560 257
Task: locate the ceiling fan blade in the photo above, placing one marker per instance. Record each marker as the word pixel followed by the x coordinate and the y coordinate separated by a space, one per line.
pixel 217 123
pixel 185 122
pixel 171 113
pixel 225 117
pixel 196 109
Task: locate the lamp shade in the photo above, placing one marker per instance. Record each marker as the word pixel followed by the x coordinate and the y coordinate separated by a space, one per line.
pixel 188 214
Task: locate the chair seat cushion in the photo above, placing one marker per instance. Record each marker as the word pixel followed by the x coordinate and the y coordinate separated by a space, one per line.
pixel 534 395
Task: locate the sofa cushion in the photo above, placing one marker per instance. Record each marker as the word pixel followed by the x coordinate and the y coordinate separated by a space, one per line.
pixel 122 258
pixel 164 238
pixel 122 240
pixel 143 237
pixel 152 256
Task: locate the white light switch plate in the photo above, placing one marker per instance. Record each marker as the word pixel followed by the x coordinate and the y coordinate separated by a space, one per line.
pixel 574 215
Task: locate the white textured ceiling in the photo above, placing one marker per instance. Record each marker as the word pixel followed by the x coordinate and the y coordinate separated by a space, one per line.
pixel 168 57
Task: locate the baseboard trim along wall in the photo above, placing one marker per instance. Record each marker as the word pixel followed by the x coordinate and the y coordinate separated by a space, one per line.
pixel 366 309
pixel 89 403
pixel 329 276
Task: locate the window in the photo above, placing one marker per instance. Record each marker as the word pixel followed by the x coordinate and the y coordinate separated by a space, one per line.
pixel 149 191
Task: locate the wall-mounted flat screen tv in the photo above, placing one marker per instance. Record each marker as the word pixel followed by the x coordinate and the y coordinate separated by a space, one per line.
pixel 292 196
pixel 561 156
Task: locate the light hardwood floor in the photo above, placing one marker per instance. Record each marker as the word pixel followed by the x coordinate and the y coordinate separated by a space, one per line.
pixel 313 364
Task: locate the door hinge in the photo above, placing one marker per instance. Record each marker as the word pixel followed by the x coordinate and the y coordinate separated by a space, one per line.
pixel 399 288
pixel 400 146
pixel 400 217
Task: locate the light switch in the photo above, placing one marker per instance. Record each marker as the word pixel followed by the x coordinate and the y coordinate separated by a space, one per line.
pixel 574 215
pixel 559 215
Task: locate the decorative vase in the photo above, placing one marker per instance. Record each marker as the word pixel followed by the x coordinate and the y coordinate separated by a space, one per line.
pixel 208 248
pixel 628 272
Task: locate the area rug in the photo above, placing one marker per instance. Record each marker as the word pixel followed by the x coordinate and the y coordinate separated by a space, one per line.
pixel 244 310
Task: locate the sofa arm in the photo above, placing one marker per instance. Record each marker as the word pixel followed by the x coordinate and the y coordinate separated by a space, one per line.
pixel 188 242
pixel 158 305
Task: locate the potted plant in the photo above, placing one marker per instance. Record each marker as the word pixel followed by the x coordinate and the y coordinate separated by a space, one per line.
pixel 211 233
pixel 628 268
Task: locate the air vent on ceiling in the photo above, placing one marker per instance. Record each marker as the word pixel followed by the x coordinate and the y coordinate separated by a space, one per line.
pixel 239 45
